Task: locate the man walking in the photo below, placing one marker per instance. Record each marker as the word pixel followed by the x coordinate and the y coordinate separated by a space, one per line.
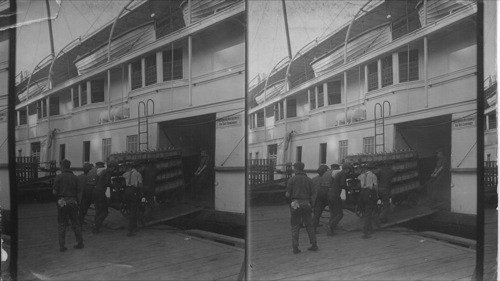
pixel 66 189
pixel 133 195
pixel 88 180
pixel 299 190
pixel 321 201
pixel 368 194
pixel 99 195
pixel 334 201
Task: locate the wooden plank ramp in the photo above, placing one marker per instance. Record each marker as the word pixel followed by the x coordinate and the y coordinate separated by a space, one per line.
pixel 393 253
pixel 155 253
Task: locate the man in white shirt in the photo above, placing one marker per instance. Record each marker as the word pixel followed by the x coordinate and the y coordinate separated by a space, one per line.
pixel 369 187
pixel 133 195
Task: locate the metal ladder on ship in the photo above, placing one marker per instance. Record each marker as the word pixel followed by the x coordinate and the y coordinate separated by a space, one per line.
pixel 143 123
pixel 380 124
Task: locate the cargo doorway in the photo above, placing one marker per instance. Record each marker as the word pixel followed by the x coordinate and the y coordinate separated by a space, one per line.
pixel 426 137
pixel 192 135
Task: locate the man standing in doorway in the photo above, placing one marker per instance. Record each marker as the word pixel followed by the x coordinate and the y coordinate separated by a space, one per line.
pixel 201 177
pixel 66 190
pixel 99 195
pixel 434 186
pixel 299 190
pixel 133 195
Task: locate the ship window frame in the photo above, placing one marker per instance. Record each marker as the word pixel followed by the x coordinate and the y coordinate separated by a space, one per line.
pixel 387 71
pixel 372 72
pixel 291 108
pixel 136 74
pixel 97 96
pixel 369 145
pixel 172 64
pixel 334 97
pixel 343 150
pixel 150 71
pixel 54 106
pixel 408 65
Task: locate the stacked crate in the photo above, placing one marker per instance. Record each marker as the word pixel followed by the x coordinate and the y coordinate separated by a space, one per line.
pixel 168 161
pixel 404 163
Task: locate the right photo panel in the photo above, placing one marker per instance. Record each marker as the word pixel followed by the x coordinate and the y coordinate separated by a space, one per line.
pixel 362 145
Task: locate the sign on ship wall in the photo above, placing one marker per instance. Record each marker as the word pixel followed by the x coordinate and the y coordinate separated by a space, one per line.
pixel 465 122
pixel 229 121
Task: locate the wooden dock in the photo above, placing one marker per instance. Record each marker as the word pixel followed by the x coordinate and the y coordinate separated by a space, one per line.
pixel 392 253
pixel 155 253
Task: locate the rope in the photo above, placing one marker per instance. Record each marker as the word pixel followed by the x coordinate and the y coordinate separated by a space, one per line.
pixel 224 162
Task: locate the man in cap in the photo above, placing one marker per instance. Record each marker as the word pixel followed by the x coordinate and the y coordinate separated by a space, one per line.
pixel 85 196
pixel 317 181
pixel 99 195
pixel 66 189
pixel 299 190
pixel 321 202
pixel 133 195
pixel 369 186
pixel 334 201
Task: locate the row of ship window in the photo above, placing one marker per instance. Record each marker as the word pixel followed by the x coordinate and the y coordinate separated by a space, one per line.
pixel 408 71
pixel 172 70
pixel 343 148
pixel 132 145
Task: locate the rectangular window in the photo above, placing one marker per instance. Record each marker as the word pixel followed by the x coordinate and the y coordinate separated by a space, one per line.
pixel 132 143
pixel 408 66
pixel 42 108
pixel 106 148
pixel 150 69
pixel 272 152
pixel 23 117
pixel 298 154
pixel 260 118
pixel 269 111
pixel 32 108
pixel 172 65
pixel 76 98
pixel 372 76
pixel 54 106
pixel 256 155
pixel 251 124
pixel 291 108
pixel 86 151
pixel 279 113
pixel 369 145
pixel 97 91
pixel 35 149
pixel 492 121
pixel 83 94
pixel 250 156
pixel 321 96
pixel 342 150
pixel 136 81
pixel 334 92
pixel 312 99
pixel 322 153
pixel 387 71
pixel 62 152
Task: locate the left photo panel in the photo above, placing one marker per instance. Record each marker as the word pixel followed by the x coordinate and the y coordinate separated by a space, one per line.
pixel 129 140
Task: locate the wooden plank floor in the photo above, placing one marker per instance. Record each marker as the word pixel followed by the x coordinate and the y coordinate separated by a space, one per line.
pixel 391 254
pixel 490 244
pixel 156 253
